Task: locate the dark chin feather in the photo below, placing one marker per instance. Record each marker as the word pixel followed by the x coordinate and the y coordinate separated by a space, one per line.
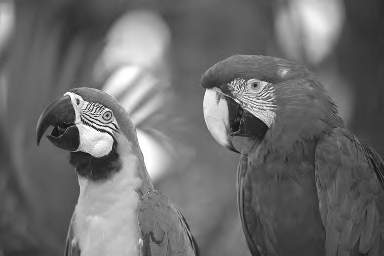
pixel 93 168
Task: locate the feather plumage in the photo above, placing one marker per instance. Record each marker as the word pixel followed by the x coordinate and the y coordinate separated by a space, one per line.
pixel 118 210
pixel 71 245
pixel 163 228
pixel 351 197
pixel 308 187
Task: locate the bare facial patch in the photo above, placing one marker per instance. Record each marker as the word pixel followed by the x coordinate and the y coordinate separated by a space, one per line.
pixel 255 96
pixel 97 126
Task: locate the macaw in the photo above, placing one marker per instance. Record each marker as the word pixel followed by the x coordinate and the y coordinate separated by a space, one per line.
pixel 118 211
pixel 306 185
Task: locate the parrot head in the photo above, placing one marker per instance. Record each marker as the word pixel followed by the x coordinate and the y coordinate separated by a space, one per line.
pixel 90 124
pixel 255 97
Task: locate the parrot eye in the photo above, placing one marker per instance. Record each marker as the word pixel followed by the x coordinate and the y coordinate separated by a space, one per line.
pixel 255 84
pixel 107 116
pixel 77 101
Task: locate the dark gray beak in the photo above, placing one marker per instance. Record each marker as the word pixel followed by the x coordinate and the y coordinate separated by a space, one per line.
pixel 61 115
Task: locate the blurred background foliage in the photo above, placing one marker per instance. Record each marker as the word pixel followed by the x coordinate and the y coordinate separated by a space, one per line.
pixel 150 55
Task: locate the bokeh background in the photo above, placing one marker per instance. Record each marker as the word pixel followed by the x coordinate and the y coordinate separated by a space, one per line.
pixel 150 55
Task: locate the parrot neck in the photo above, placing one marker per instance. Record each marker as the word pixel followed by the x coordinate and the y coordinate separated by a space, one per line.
pixel 110 206
pixel 134 148
pixel 286 139
pixel 104 168
pixel 128 142
pixel 307 118
pixel 94 168
pixel 106 221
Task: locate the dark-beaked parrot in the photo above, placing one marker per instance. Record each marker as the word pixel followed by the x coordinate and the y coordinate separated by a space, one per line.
pixel 118 211
pixel 306 185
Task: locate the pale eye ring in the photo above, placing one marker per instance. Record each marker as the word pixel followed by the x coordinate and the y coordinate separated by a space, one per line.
pixel 257 85
pixel 253 83
pixel 107 115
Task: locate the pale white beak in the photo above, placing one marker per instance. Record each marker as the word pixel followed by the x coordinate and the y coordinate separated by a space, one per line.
pixel 216 116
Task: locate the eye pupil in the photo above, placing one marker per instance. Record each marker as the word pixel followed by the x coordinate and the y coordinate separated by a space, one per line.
pixel 254 85
pixel 107 116
pixel 77 101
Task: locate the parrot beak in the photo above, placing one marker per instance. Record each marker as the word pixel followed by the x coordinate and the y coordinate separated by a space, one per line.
pixel 229 124
pixel 61 115
pixel 217 117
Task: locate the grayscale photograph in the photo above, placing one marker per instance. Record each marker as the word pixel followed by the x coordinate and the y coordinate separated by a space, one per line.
pixel 191 128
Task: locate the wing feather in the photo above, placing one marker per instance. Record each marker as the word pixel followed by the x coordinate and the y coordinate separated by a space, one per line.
pixel 376 162
pixel 164 229
pixel 351 197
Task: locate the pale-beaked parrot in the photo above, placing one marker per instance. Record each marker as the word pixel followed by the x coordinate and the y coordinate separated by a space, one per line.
pixel 118 211
pixel 306 185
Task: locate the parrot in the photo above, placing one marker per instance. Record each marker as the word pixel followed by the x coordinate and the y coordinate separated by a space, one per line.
pixel 305 184
pixel 118 211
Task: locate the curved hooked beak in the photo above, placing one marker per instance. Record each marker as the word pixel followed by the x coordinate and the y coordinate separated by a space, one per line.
pixel 229 124
pixel 217 117
pixel 61 115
